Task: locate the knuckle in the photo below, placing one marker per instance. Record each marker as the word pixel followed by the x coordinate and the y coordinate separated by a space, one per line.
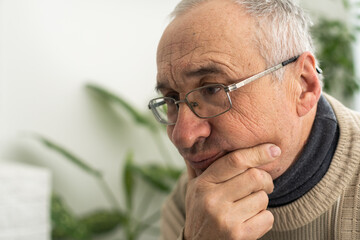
pixel 235 160
pixel 210 202
pixel 256 176
pixel 260 180
pixel 271 187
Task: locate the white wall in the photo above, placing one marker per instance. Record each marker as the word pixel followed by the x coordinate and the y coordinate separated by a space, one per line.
pixel 48 51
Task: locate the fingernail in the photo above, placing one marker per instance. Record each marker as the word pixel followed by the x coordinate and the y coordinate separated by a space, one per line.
pixel 275 151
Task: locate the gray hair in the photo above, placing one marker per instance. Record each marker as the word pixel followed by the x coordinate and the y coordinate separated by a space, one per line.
pixel 281 31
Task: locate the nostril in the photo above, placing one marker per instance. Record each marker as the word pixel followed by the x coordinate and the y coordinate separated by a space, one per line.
pixel 188 129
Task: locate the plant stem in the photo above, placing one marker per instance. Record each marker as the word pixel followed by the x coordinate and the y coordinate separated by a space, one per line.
pixel 145 203
pixel 147 223
pixel 109 194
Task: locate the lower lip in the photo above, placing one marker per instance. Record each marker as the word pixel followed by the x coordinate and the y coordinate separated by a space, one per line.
pixel 203 164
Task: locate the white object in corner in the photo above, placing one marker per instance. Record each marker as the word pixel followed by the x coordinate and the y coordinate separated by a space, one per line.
pixel 25 193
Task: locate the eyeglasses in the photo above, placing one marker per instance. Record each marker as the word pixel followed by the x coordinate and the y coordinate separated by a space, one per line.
pixel 205 102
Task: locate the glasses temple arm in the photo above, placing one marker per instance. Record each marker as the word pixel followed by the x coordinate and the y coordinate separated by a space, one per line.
pixel 261 74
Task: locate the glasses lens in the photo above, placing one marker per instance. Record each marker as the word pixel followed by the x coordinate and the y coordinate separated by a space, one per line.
pixel 209 101
pixel 164 109
pixel 205 102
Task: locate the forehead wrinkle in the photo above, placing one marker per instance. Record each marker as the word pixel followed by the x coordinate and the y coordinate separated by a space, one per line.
pixel 197 70
pixel 203 69
pixel 177 53
pixel 163 81
pixel 174 41
pixel 178 43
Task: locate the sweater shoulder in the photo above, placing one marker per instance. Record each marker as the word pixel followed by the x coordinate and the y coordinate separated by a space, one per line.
pixel 173 211
pixel 345 115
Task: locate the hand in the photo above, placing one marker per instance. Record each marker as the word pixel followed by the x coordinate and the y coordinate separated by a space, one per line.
pixel 229 199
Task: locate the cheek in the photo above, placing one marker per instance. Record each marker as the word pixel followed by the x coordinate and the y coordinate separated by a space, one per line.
pixel 254 116
pixel 240 130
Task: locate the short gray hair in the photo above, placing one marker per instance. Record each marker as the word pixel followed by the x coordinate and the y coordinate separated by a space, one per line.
pixel 282 28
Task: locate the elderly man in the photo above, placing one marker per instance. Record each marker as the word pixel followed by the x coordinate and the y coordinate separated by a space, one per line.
pixel 267 154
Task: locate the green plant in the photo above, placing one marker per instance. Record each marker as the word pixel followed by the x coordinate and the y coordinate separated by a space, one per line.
pixel 158 177
pixel 334 39
pixel 334 44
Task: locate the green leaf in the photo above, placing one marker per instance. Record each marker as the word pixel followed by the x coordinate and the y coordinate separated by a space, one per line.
pixel 64 224
pixel 334 42
pixel 128 179
pixel 346 4
pixel 162 178
pixel 138 117
pixel 102 221
pixel 69 156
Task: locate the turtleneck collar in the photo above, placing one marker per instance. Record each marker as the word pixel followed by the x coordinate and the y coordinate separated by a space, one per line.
pixel 314 160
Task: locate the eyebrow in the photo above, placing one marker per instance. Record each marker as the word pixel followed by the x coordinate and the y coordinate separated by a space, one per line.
pixel 160 86
pixel 196 72
pixel 204 70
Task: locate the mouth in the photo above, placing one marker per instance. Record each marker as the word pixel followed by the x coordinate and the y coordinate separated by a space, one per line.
pixel 201 163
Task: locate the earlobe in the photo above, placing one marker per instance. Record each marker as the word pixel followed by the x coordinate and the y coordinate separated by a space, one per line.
pixel 309 83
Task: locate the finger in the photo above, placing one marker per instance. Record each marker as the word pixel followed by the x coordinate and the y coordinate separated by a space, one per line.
pixel 250 206
pixel 251 181
pixel 257 226
pixel 239 161
pixel 190 171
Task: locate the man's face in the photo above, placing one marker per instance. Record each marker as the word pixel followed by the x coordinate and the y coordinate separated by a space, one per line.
pixel 213 43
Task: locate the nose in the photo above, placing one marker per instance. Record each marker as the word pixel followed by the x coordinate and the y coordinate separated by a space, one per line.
pixel 189 129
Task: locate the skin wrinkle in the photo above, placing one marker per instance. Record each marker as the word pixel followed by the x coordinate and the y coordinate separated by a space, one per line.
pixel 232 74
pixel 180 43
pixel 226 70
pixel 231 149
pixel 191 52
pixel 256 116
pixel 245 117
pixel 161 49
pixel 198 35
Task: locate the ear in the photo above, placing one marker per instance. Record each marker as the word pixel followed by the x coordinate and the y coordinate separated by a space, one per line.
pixel 309 83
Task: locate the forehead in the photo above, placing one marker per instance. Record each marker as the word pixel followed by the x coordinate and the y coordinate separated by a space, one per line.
pixel 216 33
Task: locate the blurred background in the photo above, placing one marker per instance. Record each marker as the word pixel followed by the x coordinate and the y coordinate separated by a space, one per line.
pixel 75 79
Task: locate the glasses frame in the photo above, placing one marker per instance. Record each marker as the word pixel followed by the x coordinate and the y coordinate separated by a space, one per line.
pixel 229 88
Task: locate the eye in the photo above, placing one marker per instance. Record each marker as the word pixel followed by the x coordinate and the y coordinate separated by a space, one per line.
pixel 210 90
pixel 173 95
